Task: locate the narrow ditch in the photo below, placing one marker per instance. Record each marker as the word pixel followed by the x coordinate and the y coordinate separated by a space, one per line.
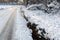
pixel 35 34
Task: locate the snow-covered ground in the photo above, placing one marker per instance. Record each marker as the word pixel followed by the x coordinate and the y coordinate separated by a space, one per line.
pixel 4 17
pixel 49 22
pixel 20 31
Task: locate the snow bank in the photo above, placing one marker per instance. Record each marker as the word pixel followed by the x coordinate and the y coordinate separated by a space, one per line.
pixel 20 31
pixel 49 22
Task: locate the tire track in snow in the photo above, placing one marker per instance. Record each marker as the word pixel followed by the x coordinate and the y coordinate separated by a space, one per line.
pixel 6 33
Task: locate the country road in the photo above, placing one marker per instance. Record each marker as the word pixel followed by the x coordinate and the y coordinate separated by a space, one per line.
pixel 13 26
pixel 6 24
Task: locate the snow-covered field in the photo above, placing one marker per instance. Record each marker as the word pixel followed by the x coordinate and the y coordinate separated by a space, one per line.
pixel 49 22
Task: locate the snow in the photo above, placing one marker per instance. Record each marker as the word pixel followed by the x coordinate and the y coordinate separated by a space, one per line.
pixel 4 17
pixel 54 4
pixel 34 7
pixel 20 31
pixel 49 22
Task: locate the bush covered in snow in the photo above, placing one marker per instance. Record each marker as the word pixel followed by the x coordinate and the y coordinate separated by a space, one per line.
pixel 53 7
pixel 45 24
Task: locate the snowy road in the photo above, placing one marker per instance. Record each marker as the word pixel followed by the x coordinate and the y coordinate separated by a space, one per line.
pixel 6 21
pixel 13 25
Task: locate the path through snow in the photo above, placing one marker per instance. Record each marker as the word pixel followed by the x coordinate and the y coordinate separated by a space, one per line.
pixel 50 23
pixel 20 30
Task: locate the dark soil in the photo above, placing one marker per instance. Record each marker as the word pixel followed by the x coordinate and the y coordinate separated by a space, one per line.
pixel 35 34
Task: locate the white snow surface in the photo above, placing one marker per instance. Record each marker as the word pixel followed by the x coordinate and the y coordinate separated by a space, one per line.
pixel 4 17
pixel 20 31
pixel 49 22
